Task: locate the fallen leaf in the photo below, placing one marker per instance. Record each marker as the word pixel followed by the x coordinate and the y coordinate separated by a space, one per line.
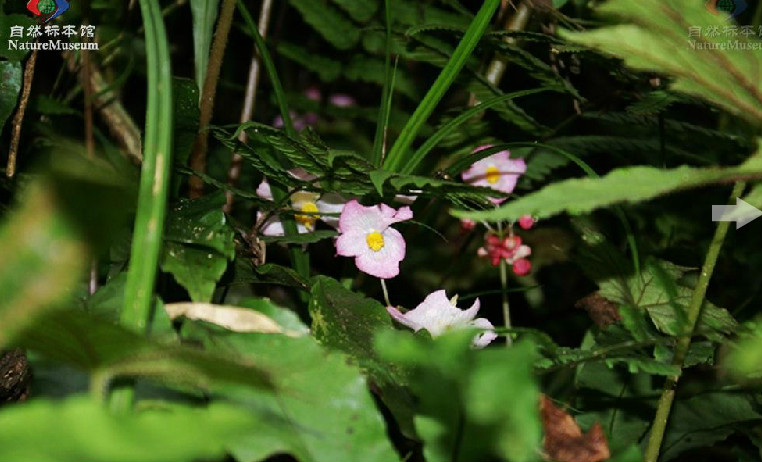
pixel 564 440
pixel 229 317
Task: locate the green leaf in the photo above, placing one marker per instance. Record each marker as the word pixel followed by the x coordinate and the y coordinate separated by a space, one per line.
pixel 10 86
pixel 198 244
pixel 329 22
pixel 372 70
pixel 628 184
pixel 719 69
pixel 658 292
pixel 201 223
pixel 323 412
pixel 109 351
pixel 13 53
pixel 745 360
pixel 80 428
pixel 346 321
pixel 471 404
pixel 204 14
pixel 702 420
pixel 196 269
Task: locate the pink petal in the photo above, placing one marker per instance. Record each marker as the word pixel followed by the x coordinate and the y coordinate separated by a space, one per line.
pixel 400 318
pixel 384 263
pixel 351 244
pixel 342 100
pixel 486 337
pixel 358 218
pixel 263 190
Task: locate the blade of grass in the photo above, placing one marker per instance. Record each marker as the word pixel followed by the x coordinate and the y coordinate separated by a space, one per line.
pixel 379 142
pixel 300 260
pixel 465 116
pixel 396 161
pixel 154 183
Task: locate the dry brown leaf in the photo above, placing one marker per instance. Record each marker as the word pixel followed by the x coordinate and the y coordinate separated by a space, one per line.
pixel 601 311
pixel 229 317
pixel 564 440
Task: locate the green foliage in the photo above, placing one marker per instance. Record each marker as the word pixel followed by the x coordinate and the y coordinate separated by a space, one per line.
pixel 204 16
pixel 462 413
pixel 323 410
pixel 706 67
pixel 198 245
pixel 336 28
pixel 10 86
pixel 79 428
pixel 628 184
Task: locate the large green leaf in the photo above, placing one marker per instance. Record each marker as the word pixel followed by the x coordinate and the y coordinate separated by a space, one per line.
pixel 674 38
pixel 10 85
pixel 80 428
pixel 186 113
pixel 204 16
pixel 659 292
pixel 348 322
pixel 322 410
pixel 109 351
pixel 628 184
pixel 471 404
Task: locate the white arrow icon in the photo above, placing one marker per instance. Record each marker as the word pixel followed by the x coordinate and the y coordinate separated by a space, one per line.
pixel 742 213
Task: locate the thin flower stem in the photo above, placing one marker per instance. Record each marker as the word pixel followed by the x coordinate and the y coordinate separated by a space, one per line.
pixel 386 292
pixel 504 291
pixel 659 425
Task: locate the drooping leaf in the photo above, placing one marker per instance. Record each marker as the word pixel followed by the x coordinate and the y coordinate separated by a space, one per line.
pixel 14 51
pixel 196 269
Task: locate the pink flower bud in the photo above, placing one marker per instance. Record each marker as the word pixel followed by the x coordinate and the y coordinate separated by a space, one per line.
pixel 526 222
pixel 522 267
pixel 467 225
pixel 511 242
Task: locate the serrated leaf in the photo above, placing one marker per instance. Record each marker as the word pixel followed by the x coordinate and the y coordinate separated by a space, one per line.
pixel 628 184
pixel 659 40
pixel 359 11
pixel 196 269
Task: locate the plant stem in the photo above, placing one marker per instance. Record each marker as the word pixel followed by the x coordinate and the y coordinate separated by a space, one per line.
pixel 216 55
pixel 154 185
pixel 659 425
pixel 18 119
pixel 386 292
pixel 236 163
pixel 504 291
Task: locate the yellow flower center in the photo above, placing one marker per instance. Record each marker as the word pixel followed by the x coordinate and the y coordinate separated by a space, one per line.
pixel 493 174
pixel 375 240
pixel 308 220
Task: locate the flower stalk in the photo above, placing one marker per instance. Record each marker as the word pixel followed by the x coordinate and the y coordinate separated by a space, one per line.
pixel 659 426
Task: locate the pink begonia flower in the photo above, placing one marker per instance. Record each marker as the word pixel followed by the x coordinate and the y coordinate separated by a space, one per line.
pixel 438 314
pixel 367 235
pixel 497 171
pixel 302 201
